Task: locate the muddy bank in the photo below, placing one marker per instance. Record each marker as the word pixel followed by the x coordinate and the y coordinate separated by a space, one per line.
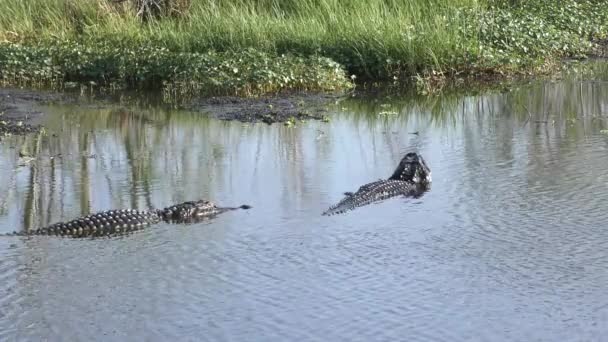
pixel 268 109
pixel 18 113
pixel 600 50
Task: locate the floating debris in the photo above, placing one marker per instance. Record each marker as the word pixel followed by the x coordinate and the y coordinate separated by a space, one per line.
pixel 388 113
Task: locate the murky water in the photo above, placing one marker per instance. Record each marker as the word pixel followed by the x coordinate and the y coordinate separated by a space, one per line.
pixel 509 244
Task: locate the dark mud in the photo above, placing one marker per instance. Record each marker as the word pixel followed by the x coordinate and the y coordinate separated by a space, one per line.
pixel 18 113
pixel 268 109
pixel 600 50
pixel 15 127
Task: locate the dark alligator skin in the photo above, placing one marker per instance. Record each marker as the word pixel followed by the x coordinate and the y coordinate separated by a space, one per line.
pixel 411 178
pixel 114 222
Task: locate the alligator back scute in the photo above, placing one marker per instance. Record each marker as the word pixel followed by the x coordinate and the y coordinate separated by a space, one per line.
pixel 375 192
pixel 103 223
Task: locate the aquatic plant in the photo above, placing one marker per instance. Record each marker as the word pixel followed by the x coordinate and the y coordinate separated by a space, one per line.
pixel 180 74
pixel 382 40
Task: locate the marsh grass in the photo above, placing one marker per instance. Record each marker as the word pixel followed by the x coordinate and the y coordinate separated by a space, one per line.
pixel 373 39
pixel 379 40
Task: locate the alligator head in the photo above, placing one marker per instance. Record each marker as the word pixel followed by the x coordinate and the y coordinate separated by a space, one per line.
pixel 412 168
pixel 193 211
pixel 188 211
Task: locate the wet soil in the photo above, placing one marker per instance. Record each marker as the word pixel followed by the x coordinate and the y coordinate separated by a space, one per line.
pixel 18 113
pixel 601 49
pixel 268 109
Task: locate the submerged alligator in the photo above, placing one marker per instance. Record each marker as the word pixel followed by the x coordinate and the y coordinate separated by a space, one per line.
pixel 115 222
pixel 411 178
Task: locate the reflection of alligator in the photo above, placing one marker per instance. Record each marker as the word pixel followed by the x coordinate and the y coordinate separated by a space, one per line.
pixel 412 178
pixel 114 222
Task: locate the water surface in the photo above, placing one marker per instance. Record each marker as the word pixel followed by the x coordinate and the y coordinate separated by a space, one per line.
pixel 509 244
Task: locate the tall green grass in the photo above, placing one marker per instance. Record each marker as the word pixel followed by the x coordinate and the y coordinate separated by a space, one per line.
pixel 373 39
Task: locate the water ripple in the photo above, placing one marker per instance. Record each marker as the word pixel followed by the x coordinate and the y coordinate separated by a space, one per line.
pixel 509 243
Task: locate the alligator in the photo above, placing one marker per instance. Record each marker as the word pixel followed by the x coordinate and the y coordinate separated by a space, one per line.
pixel 124 221
pixel 411 178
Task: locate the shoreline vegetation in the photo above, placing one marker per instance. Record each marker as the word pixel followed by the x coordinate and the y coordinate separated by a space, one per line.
pixel 190 48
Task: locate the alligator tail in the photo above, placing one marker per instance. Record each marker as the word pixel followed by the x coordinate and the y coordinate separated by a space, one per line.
pixel 15 233
pixel 344 206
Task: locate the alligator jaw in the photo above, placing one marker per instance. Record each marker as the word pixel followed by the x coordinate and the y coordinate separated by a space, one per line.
pixel 412 168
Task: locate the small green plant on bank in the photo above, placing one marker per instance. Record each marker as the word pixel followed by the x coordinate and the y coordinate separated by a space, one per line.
pixel 190 47
pixel 180 74
pixel 291 122
pixel 387 112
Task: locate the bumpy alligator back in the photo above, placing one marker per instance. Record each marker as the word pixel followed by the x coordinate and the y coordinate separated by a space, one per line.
pixel 110 222
pixel 115 222
pixel 375 192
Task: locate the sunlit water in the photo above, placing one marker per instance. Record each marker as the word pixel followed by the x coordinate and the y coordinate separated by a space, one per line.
pixel 509 244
